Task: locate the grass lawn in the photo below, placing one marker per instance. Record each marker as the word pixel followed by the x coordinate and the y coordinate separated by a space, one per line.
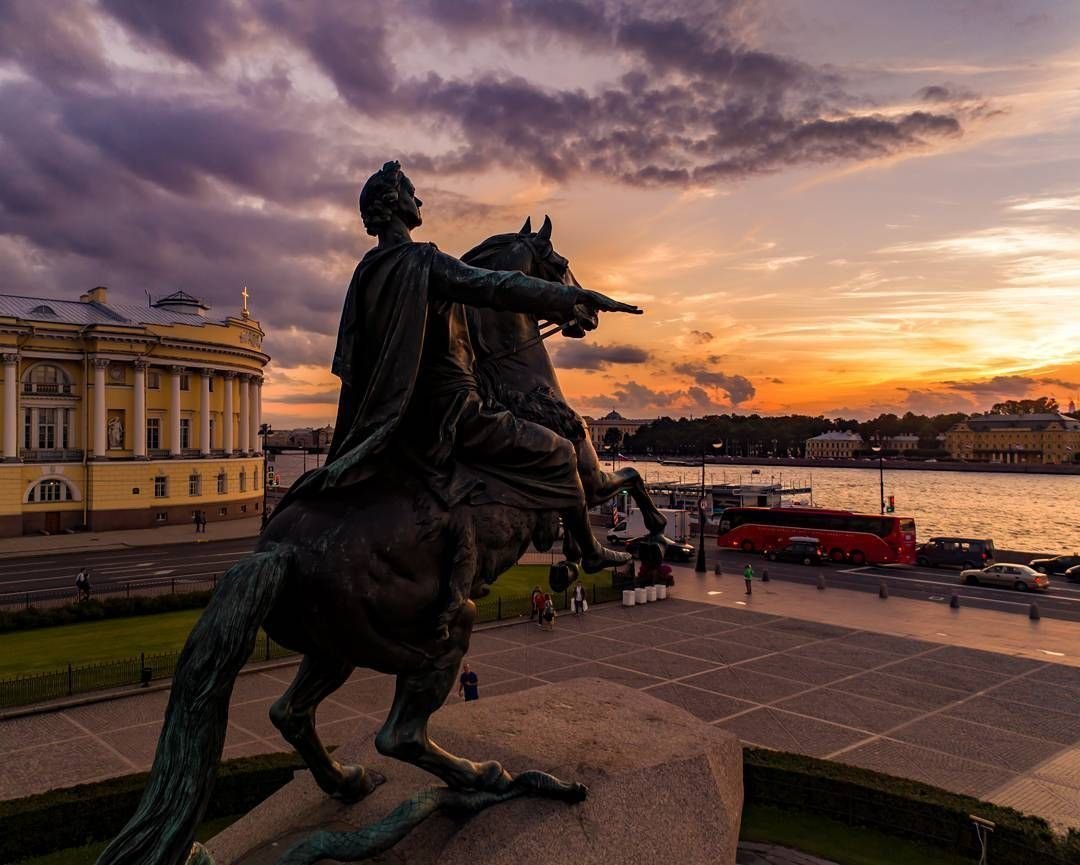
pixel 518 582
pixel 834 841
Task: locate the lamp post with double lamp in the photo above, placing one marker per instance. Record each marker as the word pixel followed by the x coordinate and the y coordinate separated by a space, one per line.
pixel 264 430
pixel 877 448
pixel 702 503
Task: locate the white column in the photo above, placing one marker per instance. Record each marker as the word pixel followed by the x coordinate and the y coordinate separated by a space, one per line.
pixel 253 414
pixel 100 440
pixel 140 409
pixel 204 412
pixel 245 414
pixel 227 414
pixel 258 412
pixel 11 407
pixel 174 410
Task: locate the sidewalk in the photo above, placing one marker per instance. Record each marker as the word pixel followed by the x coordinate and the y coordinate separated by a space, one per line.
pixel 44 545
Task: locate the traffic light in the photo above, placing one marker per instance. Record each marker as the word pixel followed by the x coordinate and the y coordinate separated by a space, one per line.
pixel 892 505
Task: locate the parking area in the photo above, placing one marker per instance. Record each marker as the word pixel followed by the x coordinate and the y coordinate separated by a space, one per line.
pixel 1001 727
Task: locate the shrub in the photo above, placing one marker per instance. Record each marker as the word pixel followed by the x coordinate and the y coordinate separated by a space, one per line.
pixel 94 610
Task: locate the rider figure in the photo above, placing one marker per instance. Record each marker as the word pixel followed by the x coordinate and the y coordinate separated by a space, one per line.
pixel 407 367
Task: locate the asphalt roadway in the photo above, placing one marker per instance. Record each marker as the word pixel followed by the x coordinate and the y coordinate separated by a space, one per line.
pixel 201 560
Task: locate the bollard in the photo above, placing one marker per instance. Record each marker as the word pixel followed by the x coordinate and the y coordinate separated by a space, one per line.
pixel 498 609
pixel 764 575
pixel 821 582
pixel 718 570
pixel 883 590
pixel 1033 612
pixel 954 601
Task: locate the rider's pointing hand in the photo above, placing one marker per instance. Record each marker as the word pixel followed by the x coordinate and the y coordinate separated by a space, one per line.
pixel 602 303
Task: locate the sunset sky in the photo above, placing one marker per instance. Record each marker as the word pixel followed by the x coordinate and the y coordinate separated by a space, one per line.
pixel 838 207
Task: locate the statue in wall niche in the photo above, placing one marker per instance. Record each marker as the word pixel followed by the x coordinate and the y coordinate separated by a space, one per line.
pixel 116 432
pixel 454 449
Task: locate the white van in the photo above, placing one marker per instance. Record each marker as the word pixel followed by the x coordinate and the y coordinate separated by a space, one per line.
pixel 628 528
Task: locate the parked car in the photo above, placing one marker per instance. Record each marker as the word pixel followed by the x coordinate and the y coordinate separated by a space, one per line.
pixel 676 551
pixel 966 553
pixel 1056 564
pixel 805 550
pixel 1020 577
pixel 1073 574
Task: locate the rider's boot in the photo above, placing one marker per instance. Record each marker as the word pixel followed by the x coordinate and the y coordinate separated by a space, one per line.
pixel 594 557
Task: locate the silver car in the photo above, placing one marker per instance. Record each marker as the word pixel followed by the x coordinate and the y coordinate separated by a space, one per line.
pixel 1020 577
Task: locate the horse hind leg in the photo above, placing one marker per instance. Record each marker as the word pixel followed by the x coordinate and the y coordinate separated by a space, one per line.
pixel 294 716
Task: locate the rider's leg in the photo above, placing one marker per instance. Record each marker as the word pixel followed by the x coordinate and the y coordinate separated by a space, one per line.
pixel 600 486
pixel 460 569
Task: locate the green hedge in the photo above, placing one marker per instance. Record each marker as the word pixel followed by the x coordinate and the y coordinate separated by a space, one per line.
pixel 95 610
pixel 898 806
pixel 79 815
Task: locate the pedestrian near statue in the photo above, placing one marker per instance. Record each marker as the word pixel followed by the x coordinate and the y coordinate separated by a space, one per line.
pixel 469 686
pixel 548 616
pixel 579 603
pixel 82 584
pixel 748 575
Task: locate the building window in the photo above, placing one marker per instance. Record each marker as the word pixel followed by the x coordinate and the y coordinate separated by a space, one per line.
pixel 194 484
pixel 161 487
pixel 153 380
pixel 185 432
pixel 161 516
pixel 222 483
pixel 222 512
pixel 153 432
pixel 185 382
pixel 243 509
pixel 243 480
pixel 27 429
pixel 50 491
pixel 46 431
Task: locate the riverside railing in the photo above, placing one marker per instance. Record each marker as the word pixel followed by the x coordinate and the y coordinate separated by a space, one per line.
pixel 142 669
pixel 125 589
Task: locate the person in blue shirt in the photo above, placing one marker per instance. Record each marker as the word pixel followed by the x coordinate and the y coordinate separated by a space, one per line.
pixel 470 684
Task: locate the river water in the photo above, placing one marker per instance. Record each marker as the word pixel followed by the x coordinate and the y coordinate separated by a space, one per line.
pixel 1036 513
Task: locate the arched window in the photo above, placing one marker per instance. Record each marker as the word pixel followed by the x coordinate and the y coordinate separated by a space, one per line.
pixel 47 378
pixel 44 309
pixel 51 490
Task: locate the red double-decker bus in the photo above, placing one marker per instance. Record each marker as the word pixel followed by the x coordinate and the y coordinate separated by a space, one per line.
pixel 842 535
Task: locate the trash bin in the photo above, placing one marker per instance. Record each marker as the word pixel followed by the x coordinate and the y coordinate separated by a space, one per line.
pixel 146 674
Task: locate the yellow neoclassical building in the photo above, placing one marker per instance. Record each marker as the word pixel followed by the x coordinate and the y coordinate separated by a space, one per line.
pixel 1020 438
pixel 118 416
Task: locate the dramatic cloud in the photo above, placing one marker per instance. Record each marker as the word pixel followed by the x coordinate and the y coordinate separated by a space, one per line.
pixel 577 354
pixel 1004 385
pixel 737 387
pixel 701 337
pixel 324 397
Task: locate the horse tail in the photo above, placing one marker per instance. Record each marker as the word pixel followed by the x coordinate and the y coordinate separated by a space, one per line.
pixel 189 750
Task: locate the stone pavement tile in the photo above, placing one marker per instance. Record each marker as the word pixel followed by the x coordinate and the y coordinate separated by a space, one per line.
pixel 1064 769
pixel 850 710
pixel 661 663
pixel 769 727
pixel 598 670
pixel 816 630
pixel 138 744
pixel 117 714
pixel 680 605
pixel 720 651
pixel 585 623
pixel 344 729
pixel 253 748
pixel 930 767
pixel 1019 718
pixel 926 669
pixel 750 853
pixel 528 660
pixel 841 652
pixel 254 717
pixel 523 683
pixel 903 692
pixel 746 684
pixel 236 736
pixel 888 643
pixel 706 705
pixel 1058 805
pixel 668 607
pixel 1058 674
pixel 331 709
pixel 644 635
pixel 698 625
pixel 528 634
pixel 58 764
pixel 1008 750
pixel 800 669
pixel 767 638
pixel 1043 695
pixel 256 686
pixel 589 647
pixel 367 695
pixel 651 613
pixel 484 644
pixel 32 730
pixel 736 615
pixel 489 674
pixel 995 662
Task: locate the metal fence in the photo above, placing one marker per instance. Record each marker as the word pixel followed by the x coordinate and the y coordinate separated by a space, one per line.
pixel 144 668
pixel 42 598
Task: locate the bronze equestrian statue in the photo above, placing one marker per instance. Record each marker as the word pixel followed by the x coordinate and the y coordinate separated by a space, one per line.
pixel 432 488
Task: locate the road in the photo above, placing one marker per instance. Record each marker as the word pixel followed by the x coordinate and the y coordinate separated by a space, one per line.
pixel 201 561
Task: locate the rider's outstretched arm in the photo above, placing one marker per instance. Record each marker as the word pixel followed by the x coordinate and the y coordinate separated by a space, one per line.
pixel 508 290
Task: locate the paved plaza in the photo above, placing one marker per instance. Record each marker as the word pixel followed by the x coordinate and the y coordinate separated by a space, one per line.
pixel 997 726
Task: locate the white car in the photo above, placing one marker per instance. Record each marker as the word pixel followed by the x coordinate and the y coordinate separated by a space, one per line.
pixel 1019 577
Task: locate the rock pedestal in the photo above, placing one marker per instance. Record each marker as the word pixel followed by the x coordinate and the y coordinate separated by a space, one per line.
pixel 664 787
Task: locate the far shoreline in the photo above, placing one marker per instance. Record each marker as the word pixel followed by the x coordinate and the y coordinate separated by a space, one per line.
pixel 891 463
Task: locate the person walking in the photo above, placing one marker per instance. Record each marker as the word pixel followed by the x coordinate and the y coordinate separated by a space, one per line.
pixel 547 617
pixel 202 521
pixel 196 521
pixel 82 584
pixel 469 686
pixel 580 604
pixel 537 607
pixel 748 576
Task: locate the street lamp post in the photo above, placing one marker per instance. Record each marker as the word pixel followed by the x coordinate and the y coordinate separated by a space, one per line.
pixel 264 431
pixel 700 566
pixel 877 448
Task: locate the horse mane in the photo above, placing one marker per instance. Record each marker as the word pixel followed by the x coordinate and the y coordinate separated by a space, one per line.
pixel 489 249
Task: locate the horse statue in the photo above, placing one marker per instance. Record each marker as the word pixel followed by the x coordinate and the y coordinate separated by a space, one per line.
pixel 356 581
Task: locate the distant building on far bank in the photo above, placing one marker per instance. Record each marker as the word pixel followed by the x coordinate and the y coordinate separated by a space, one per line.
pixel 599 427
pixel 304 437
pixel 1049 437
pixel 834 445
pixel 901 443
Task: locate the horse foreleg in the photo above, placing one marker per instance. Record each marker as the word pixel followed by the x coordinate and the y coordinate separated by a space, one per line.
pixel 600 486
pixel 404 736
pixel 294 716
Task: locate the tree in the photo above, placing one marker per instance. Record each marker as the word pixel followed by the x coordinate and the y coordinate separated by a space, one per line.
pixel 612 437
pixel 1042 405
